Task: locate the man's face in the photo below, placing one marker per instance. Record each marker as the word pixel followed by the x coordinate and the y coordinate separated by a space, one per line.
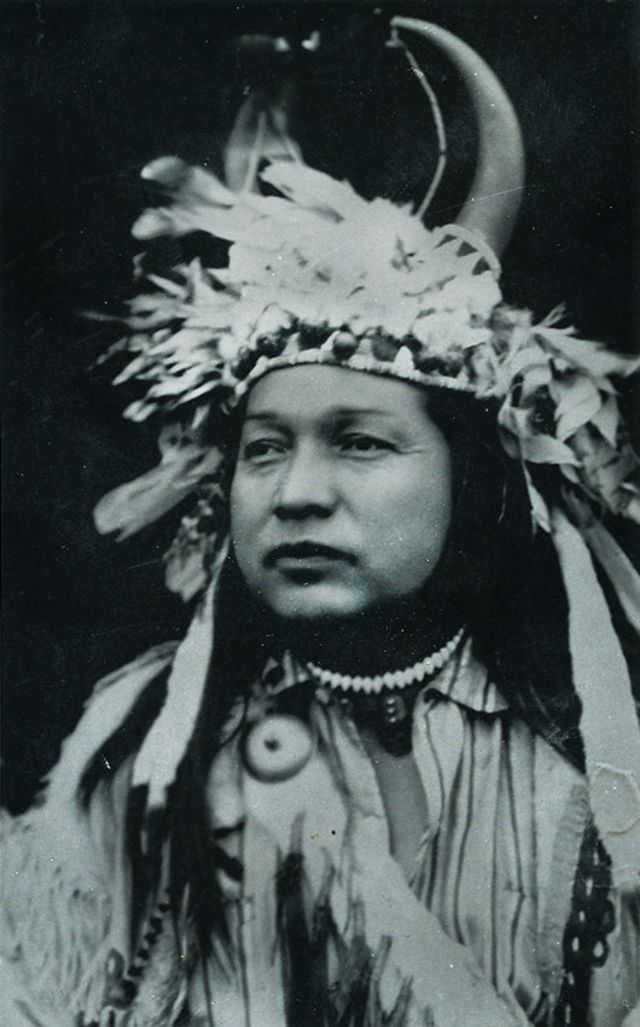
pixel 341 496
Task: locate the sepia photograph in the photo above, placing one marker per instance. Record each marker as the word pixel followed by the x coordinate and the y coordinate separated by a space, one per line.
pixel 320 511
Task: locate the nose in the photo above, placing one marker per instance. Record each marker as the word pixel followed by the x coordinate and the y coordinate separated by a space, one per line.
pixel 306 487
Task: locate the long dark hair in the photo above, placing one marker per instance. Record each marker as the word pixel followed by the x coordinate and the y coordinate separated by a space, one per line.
pixel 500 574
pixel 504 574
pixel 497 572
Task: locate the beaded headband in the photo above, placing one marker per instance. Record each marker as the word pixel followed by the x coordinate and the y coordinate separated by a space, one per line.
pixel 317 274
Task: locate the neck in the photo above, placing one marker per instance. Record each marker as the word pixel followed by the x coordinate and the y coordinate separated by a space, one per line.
pixel 384 639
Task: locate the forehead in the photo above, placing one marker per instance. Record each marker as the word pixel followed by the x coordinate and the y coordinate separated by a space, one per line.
pixel 315 392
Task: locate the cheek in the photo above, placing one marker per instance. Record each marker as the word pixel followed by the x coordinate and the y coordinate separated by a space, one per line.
pixel 438 501
pixel 419 515
pixel 236 506
pixel 437 498
pixel 244 514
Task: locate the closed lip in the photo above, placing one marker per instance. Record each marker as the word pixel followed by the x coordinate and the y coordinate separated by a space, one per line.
pixel 306 552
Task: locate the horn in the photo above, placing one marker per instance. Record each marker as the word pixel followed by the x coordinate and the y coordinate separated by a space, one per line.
pixel 492 205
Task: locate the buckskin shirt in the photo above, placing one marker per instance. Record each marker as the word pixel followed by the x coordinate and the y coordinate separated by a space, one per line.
pixel 475 937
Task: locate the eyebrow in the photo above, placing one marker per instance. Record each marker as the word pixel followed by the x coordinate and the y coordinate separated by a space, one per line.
pixel 332 413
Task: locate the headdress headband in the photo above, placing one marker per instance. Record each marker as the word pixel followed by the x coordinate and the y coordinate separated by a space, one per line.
pixel 317 274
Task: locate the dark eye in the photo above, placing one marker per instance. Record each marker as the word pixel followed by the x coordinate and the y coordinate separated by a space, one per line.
pixel 260 451
pixel 362 444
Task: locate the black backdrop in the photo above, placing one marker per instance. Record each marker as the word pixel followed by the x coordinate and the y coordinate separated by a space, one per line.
pixel 94 90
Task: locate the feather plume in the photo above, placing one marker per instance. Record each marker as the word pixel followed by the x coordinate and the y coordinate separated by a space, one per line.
pixel 187 184
pixel 184 464
pixel 260 132
pixel 307 187
pixel 166 742
pixel 609 723
pixel 618 567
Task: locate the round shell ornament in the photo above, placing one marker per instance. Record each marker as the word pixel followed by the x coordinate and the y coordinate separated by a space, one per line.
pixel 277 747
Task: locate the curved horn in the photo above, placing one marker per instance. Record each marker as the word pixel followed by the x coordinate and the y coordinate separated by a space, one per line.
pixel 492 205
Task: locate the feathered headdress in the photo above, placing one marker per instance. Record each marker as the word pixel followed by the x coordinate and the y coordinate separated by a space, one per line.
pixel 317 274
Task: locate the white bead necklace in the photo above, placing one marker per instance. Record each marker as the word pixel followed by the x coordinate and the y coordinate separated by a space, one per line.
pixel 392 679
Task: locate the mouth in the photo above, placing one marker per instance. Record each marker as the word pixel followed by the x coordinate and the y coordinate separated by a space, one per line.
pixel 306 554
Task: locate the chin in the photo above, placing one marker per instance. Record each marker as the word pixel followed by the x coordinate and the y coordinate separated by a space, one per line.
pixel 314 603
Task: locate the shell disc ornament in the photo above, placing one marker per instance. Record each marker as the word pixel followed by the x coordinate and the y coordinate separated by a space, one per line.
pixel 277 747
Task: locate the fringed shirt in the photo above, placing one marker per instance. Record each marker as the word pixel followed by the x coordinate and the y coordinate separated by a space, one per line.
pixel 322 926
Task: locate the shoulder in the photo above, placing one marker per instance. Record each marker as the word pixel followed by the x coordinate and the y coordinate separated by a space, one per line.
pixel 63 866
pixel 113 704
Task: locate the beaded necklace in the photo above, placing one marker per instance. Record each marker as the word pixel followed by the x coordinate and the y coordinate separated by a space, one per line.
pixel 399 679
pixel 385 701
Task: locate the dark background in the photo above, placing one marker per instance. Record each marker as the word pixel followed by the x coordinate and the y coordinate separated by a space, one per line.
pixel 91 92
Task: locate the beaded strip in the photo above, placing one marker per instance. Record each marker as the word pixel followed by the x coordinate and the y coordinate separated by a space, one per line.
pixel 585 943
pixel 122 982
pixel 391 680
